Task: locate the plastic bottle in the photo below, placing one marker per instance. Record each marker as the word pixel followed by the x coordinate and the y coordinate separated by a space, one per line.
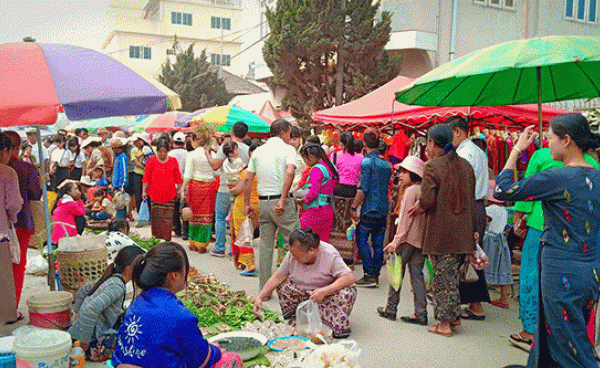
pixel 77 356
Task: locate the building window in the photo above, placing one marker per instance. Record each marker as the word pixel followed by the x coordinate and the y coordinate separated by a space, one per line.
pixel 140 52
pixel 220 59
pixel 220 23
pixel 181 18
pixel 502 4
pixel 581 10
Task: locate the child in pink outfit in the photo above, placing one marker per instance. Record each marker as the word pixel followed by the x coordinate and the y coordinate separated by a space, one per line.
pixel 68 206
pixel 318 201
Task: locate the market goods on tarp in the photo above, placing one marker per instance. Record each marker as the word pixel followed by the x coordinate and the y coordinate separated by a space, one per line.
pixel 246 344
pixel 213 303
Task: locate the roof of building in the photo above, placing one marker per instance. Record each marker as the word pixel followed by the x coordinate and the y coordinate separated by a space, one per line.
pixel 238 85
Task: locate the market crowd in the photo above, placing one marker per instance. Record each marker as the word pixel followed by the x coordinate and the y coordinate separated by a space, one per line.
pixel 452 207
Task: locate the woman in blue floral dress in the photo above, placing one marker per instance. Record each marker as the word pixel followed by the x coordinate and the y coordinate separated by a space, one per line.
pixel 569 258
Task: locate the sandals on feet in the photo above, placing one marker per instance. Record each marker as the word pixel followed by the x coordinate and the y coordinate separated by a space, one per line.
pixel 436 330
pixel 498 303
pixel 19 318
pixel 520 342
pixel 467 314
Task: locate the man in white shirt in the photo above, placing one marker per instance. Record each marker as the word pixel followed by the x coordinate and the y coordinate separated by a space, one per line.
pixel 239 131
pixel 475 292
pixel 32 138
pixel 274 165
pixel 180 154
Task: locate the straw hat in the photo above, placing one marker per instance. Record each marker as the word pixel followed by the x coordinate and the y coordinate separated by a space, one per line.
pixel 141 136
pixel 103 131
pixel 99 165
pixel 118 142
pixel 492 189
pixel 65 182
pixel 186 214
pixel 90 140
pixel 119 134
pixel 86 180
pixel 413 164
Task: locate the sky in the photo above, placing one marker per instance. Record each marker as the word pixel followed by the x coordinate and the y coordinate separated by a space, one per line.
pixel 85 23
pixel 76 22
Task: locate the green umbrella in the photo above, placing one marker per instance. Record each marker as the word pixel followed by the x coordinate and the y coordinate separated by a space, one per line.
pixel 226 116
pixel 535 70
pixel 93 124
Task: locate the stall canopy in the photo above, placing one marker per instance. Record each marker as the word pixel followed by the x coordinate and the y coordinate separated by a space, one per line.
pixel 380 108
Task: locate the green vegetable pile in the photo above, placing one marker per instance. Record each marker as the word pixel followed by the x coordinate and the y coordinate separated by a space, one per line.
pixel 213 303
pixel 147 244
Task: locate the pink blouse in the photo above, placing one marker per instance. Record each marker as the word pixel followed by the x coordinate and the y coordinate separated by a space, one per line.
pixel 66 211
pixel 316 176
pixel 411 229
pixel 348 166
pixel 12 201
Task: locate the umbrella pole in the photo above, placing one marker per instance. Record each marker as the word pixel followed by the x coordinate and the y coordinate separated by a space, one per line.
pixel 51 269
pixel 540 122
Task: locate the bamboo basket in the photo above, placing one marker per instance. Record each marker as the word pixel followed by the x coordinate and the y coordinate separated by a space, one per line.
pixel 80 268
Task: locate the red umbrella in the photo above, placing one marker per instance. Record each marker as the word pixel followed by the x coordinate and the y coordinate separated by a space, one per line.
pixel 165 122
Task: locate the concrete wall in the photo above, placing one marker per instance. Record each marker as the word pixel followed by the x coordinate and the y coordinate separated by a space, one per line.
pixel 159 34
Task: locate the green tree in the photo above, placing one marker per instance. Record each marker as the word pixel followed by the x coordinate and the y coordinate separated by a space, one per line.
pixel 305 41
pixel 195 80
pixel 28 39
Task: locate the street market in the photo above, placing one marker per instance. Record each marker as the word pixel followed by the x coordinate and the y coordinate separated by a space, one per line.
pixel 136 231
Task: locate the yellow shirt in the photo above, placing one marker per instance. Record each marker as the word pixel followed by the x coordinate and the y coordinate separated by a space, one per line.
pixel 139 154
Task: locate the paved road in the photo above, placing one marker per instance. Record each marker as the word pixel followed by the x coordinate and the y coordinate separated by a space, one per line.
pixel 384 343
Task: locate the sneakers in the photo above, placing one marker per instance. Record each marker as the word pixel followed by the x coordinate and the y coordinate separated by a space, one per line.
pixel 370 281
pixel 217 253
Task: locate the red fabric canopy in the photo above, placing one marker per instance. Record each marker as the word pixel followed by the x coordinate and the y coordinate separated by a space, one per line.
pixel 380 108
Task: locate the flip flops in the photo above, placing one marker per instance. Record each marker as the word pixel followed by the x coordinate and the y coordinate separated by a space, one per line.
pixel 248 273
pixel 497 303
pixel 467 314
pixel 19 318
pixel 520 342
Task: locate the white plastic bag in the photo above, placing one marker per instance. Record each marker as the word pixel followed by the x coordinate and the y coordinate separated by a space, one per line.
pixel 120 199
pixel 309 323
pixel 343 354
pixel 13 241
pixel 36 266
pixel 245 235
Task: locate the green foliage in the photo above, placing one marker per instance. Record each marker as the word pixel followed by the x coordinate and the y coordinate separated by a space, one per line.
pixel 195 80
pixel 146 244
pixel 28 39
pixel 302 50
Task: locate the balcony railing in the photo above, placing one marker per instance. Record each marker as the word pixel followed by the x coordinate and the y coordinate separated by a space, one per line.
pixel 237 4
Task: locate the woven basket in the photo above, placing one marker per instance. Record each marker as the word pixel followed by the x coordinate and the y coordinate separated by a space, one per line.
pixel 79 268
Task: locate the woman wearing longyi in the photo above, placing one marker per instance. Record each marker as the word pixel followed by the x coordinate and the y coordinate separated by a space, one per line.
pixel 569 266
pixel 313 270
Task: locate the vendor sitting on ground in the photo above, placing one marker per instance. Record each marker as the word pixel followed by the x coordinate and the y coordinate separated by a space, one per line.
pixel 99 305
pixel 313 270
pixel 158 331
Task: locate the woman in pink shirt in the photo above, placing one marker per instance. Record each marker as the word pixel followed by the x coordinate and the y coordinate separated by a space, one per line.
pixel 320 185
pixel 408 244
pixel 313 270
pixel 68 206
pixel 347 162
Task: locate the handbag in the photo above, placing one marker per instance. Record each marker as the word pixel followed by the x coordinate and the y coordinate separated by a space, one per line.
pixel 466 273
pixel 13 240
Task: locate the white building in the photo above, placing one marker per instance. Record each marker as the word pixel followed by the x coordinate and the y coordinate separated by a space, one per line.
pixel 147 32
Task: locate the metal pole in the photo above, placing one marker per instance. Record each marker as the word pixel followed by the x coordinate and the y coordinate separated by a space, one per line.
pixel 339 75
pixel 540 122
pixel 453 31
pixel 51 269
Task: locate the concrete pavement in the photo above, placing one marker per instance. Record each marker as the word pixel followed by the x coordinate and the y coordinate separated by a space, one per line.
pixel 384 343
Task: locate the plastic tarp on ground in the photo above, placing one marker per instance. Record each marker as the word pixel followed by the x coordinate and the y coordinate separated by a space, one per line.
pixel 380 108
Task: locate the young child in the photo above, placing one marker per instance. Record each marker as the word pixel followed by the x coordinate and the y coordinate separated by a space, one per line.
pixel 233 165
pixel 494 244
pixel 408 244
pixel 102 208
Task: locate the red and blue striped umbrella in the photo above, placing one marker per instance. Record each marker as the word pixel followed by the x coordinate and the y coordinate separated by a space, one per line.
pixel 37 78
